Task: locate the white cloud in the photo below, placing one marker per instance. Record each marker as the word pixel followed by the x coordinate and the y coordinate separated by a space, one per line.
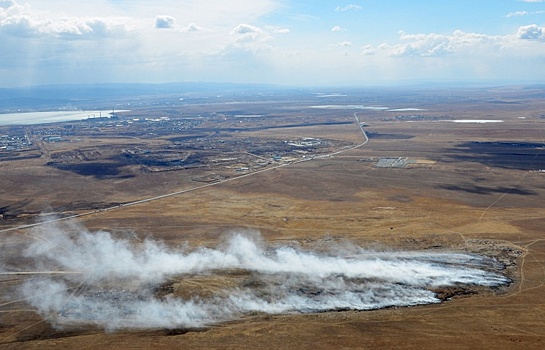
pixel 226 36
pixel 221 41
pixel 87 28
pixel 517 14
pixel 531 32
pixel 162 22
pixel 350 7
pixel 532 0
pixel 246 32
pixel 5 4
pixel 193 27
pixel 367 50
pixel 20 26
pixel 25 26
pixel 523 13
pixel 243 29
pixel 430 45
pixel 249 44
pixel 278 30
pixel 10 8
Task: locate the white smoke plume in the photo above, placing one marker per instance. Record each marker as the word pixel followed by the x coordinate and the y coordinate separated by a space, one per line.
pixel 118 280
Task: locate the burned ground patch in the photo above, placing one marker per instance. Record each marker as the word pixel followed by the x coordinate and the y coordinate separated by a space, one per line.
pixel 153 286
pixel 484 190
pixel 12 210
pixel 99 170
pixel 160 158
pixel 186 138
pixel 385 136
pixel 507 155
pixel 4 157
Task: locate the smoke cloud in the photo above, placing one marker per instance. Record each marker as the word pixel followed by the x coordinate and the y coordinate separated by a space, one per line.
pixel 128 284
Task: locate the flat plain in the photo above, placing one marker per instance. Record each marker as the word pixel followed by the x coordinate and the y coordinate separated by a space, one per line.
pixel 458 170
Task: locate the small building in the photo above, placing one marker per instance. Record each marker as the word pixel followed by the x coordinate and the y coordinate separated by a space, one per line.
pixel 53 139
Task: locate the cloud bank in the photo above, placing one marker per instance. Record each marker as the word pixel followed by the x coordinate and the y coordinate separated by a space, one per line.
pixel 19 21
pixel 266 41
pixel 118 280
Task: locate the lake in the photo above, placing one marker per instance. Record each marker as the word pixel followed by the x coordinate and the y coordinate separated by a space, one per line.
pixel 48 117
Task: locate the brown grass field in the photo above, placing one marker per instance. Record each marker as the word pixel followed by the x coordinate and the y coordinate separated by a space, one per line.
pixel 472 187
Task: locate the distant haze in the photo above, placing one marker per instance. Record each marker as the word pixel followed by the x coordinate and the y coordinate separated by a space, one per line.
pixel 284 42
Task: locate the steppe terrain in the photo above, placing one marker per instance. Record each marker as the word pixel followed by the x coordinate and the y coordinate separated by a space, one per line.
pixel 388 170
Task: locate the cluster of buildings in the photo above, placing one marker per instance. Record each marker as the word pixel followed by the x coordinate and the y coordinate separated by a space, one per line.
pixel 14 142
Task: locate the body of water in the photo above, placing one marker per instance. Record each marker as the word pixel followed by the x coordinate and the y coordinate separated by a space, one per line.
pixel 49 117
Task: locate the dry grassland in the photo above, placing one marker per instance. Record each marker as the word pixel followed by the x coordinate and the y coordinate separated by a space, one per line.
pixel 477 188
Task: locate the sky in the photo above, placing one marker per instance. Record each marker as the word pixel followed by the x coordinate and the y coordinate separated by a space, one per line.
pixel 283 42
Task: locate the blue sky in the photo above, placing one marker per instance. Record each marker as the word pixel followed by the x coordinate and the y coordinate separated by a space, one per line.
pixel 282 42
